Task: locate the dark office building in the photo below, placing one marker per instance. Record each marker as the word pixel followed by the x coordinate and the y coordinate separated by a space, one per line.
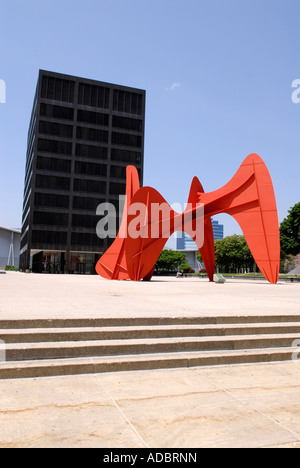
pixel 82 135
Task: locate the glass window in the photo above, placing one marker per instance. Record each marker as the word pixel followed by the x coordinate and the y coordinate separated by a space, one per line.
pixel 116 188
pixel 84 263
pixel 126 156
pixel 92 152
pixel 90 169
pixel 124 101
pixel 50 219
pixel 56 112
pixel 118 172
pixel 85 240
pixel 50 90
pixel 87 203
pixel 52 182
pixel 85 221
pixel 53 164
pixel 54 146
pixel 94 118
pixel 89 186
pixel 125 139
pixel 92 134
pixel 57 89
pixel 127 124
pixel 53 262
pixel 93 96
pixel 56 129
pixel 49 237
pixel 51 200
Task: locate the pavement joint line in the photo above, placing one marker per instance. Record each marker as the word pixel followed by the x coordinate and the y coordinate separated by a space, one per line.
pixel 98 380
pixel 287 443
pixel 251 407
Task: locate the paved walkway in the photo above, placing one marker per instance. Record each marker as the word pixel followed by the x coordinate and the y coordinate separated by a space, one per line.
pixel 240 406
pixel 75 296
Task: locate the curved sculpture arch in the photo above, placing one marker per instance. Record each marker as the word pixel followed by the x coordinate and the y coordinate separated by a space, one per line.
pixel 248 197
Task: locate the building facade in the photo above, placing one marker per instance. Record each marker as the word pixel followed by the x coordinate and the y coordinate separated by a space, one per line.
pixel 218 230
pixel 185 242
pixel 186 245
pixel 9 247
pixel 82 135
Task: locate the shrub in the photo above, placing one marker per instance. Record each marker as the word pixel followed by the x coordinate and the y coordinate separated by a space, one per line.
pixel 186 268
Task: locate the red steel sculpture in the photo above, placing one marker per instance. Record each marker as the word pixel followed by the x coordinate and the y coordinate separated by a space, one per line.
pixel 248 197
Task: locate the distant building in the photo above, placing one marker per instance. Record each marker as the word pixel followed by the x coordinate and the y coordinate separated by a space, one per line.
pixel 218 230
pixel 186 245
pixel 9 247
pixel 82 135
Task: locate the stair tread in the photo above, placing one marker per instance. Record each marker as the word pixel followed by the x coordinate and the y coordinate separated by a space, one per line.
pixel 148 341
pixel 16 331
pixel 144 321
pixel 145 357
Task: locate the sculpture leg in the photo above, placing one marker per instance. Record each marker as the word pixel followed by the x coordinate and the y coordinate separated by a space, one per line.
pixel 112 265
pixel 207 250
pixel 143 248
pixel 260 224
pixel 249 198
pixel 149 276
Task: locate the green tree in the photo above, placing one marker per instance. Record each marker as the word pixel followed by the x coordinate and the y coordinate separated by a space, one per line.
pixel 290 233
pixel 170 260
pixel 232 253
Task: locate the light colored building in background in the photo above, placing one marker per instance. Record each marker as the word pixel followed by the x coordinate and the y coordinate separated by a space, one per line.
pixel 9 247
pixel 186 245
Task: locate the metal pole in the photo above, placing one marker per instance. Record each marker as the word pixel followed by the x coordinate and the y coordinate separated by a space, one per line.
pixel 12 248
pixel 11 252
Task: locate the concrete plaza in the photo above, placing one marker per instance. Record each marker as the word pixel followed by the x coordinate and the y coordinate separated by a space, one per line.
pixel 31 296
pixel 231 406
pixel 253 405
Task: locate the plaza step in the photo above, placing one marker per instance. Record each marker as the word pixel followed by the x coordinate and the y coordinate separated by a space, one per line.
pixel 144 321
pixel 35 335
pixel 36 348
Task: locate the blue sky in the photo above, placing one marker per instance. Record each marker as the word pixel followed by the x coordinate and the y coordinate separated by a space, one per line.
pixel 218 76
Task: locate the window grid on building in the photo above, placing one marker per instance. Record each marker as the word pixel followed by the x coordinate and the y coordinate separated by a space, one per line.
pixel 81 137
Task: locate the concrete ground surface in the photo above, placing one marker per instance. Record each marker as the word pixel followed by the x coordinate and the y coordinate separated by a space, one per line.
pixel 30 296
pixel 243 406
pixel 255 405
